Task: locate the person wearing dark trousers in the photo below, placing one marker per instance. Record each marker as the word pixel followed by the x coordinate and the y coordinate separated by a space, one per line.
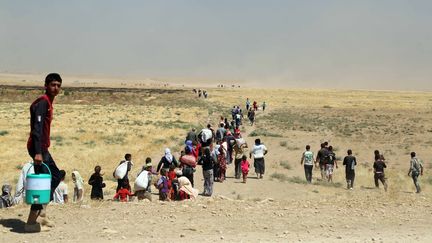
pixel 350 162
pixel 379 175
pixel 416 170
pixel 41 115
pixel 124 182
pixel 308 160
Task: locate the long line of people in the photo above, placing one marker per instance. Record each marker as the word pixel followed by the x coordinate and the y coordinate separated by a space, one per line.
pixel 213 150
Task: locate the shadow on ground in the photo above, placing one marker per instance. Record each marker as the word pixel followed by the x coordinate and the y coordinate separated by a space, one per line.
pixel 15 225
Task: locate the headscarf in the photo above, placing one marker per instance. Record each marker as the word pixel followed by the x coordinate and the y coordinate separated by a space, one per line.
pixel 216 149
pixel 168 155
pixel 189 145
pixel 186 186
pixel 79 182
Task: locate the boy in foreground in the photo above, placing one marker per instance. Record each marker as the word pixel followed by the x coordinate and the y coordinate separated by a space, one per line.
pixel 41 115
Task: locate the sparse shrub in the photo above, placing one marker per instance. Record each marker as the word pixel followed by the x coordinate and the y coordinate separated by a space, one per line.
pixel 58 139
pixel 90 143
pixel 283 143
pixel 81 130
pixel 297 180
pixel 160 141
pixel 429 180
pixel 285 164
pixel 3 133
pixel 328 184
pixel 265 133
pixel 279 176
pixel 118 138
pixel 293 148
pixel 282 177
pixel 327 107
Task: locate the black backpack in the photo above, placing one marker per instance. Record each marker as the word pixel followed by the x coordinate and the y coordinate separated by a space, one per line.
pixel 187 170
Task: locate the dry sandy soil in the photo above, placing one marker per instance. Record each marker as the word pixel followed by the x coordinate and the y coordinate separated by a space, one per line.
pixel 98 126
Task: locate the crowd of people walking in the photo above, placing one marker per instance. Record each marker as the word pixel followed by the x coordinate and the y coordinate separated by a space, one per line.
pixel 326 161
pixel 173 177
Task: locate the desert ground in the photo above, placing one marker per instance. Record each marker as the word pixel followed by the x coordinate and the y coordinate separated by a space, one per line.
pixel 96 124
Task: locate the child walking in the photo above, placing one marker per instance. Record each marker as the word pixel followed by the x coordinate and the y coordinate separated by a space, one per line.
pixel 123 193
pixel 245 167
pixel 162 185
pixel 78 186
pixel 96 181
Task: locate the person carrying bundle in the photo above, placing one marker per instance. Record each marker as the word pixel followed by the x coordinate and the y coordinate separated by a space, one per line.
pixel 122 171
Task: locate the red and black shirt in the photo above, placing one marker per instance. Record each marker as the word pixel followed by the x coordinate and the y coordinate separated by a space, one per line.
pixel 41 114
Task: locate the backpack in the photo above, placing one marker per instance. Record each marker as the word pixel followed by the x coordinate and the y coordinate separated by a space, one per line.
pixel 187 171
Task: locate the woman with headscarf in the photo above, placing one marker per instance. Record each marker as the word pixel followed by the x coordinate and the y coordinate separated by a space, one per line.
pixel 167 161
pixel 215 154
pixel 222 161
pixel 192 148
pixel 78 186
pixel 207 162
pixel 186 188
pixel 189 145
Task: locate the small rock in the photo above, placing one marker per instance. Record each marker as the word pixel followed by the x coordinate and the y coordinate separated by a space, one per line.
pixel 123 237
pixel 182 235
pixel 20 215
pixel 339 237
pixel 222 237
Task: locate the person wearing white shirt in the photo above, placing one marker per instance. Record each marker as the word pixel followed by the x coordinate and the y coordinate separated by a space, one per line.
pixel 259 151
pixel 308 160
pixel 60 195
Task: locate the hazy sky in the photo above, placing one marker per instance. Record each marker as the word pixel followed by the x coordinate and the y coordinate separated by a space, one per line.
pixel 370 44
